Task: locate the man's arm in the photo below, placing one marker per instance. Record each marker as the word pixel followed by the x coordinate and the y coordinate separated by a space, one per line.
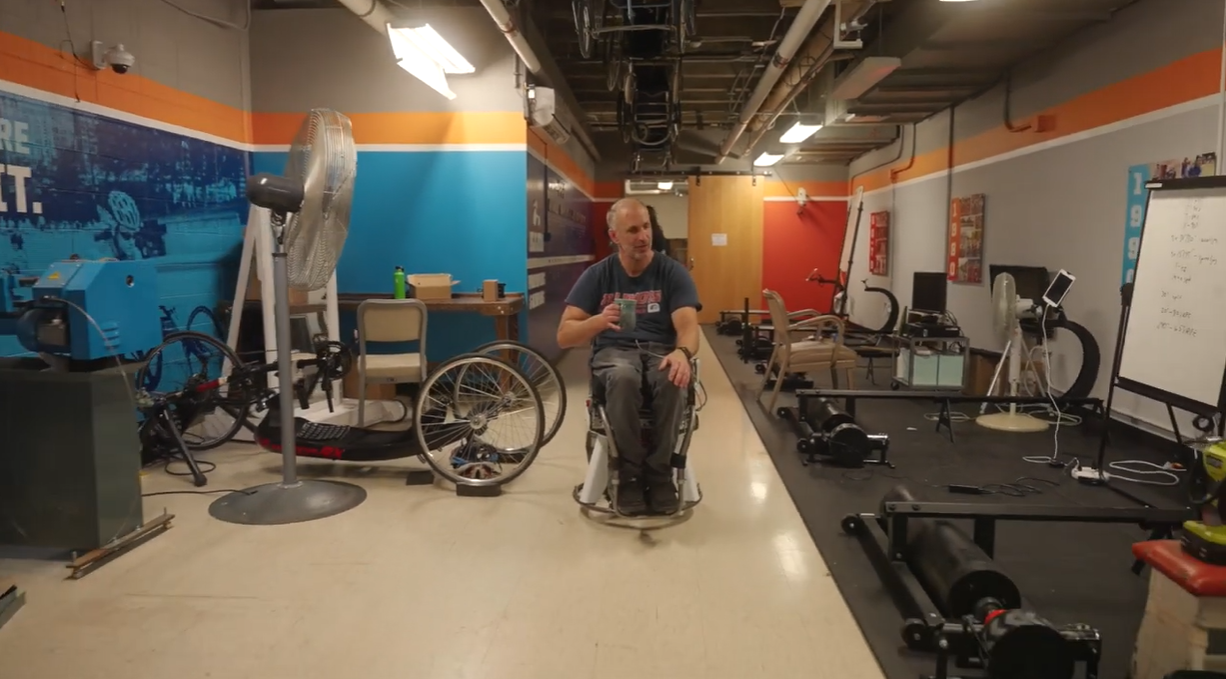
pixel 684 309
pixel 578 327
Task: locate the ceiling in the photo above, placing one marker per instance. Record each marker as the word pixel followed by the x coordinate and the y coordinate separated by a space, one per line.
pixel 690 93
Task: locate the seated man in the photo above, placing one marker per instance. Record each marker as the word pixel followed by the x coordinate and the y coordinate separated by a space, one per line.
pixel 658 349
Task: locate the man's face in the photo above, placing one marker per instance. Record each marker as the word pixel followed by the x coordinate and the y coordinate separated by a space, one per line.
pixel 632 232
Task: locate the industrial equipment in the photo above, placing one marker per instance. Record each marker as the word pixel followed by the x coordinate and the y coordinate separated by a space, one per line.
pixel 85 311
pixel 958 603
pixel 829 434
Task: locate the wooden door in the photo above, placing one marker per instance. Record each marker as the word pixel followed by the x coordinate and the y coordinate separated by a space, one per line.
pixel 725 243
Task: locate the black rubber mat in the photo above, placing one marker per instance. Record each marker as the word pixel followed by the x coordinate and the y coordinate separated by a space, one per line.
pixel 1070 572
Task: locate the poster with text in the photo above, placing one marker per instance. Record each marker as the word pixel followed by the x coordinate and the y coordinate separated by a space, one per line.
pixel 1199 166
pixel 966 239
pixel 879 243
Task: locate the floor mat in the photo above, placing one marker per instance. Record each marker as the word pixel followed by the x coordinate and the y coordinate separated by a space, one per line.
pixel 1070 572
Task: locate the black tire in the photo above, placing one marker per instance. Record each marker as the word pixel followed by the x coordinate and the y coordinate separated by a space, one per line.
pixel 851 524
pixel 181 336
pixel 463 362
pixel 551 428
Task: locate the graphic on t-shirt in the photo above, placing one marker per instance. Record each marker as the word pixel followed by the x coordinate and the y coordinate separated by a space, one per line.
pixel 644 302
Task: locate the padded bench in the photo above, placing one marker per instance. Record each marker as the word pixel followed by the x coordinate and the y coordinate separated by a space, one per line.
pixel 1185 615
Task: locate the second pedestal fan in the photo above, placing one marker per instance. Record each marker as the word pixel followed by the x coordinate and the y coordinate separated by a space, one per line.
pixel 1006 308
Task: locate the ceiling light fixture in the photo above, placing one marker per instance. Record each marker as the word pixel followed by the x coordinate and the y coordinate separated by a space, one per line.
pixel 798 133
pixel 665 186
pixel 427 56
pixel 767 159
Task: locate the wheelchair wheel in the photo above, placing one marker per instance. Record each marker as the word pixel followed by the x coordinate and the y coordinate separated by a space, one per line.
pixel 479 421
pixel 541 373
pixel 188 357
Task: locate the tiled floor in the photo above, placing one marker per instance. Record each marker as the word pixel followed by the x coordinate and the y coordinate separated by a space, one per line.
pixel 417 583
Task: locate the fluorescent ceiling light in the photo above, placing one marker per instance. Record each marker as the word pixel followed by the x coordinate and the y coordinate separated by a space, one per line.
pixel 798 133
pixel 427 56
pixel 864 76
pixel 665 186
pixel 767 159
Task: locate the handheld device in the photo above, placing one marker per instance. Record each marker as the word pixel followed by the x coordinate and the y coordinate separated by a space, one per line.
pixel 1058 288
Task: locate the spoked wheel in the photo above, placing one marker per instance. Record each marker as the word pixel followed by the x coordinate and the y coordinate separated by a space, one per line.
pixel 589 17
pixel 541 373
pixel 479 421
pixel 191 358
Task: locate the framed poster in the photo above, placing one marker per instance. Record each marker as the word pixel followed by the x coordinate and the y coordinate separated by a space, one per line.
pixel 879 244
pixel 966 239
pixel 1203 165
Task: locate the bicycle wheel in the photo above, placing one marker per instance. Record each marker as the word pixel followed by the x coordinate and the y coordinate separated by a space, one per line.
pixel 479 421
pixel 188 357
pixel 541 373
pixel 582 10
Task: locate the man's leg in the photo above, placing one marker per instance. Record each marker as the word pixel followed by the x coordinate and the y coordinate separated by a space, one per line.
pixel 620 370
pixel 667 406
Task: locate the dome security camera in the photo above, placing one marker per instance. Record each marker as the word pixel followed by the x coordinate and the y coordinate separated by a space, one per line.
pixel 117 58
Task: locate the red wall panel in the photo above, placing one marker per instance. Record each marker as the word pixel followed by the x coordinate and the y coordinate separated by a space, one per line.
pixel 793 244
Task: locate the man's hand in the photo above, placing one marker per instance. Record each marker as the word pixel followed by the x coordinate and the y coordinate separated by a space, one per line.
pixel 608 317
pixel 679 369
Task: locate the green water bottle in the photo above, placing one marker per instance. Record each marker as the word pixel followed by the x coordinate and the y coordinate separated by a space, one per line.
pixel 398 283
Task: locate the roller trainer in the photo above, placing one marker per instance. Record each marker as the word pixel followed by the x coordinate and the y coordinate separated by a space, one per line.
pixel 957 602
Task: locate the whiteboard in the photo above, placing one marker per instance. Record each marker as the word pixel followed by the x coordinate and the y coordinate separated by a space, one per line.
pixel 1175 339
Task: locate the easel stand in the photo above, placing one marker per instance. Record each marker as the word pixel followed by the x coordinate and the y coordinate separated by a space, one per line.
pixel 1181 240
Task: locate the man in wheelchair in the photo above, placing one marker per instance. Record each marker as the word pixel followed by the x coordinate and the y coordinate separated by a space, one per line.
pixel 639 310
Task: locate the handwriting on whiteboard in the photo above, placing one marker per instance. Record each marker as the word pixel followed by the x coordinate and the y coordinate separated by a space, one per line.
pixel 1173 316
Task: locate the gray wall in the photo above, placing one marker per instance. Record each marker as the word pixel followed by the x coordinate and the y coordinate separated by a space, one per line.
pixel 330 57
pixel 1059 205
pixel 170 47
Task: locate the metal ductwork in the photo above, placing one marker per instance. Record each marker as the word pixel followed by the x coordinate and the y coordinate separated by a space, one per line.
pixel 809 62
pixel 800 29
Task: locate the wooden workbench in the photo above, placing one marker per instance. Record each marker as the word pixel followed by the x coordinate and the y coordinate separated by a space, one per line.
pixel 505 311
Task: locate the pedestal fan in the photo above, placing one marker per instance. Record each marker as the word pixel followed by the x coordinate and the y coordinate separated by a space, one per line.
pixel 1006 307
pixel 309 217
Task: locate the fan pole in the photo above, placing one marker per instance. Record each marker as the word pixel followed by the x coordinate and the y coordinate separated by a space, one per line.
pixel 285 363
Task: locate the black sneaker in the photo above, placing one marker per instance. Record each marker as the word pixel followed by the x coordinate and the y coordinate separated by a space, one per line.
pixel 662 497
pixel 631 498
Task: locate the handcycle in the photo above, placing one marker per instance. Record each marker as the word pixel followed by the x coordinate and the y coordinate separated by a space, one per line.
pixel 457 412
pixel 598 492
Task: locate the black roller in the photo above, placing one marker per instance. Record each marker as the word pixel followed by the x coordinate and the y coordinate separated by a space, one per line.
pixel 1022 645
pixel 956 573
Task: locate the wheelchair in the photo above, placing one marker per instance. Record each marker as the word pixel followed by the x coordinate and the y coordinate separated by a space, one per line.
pixel 598 492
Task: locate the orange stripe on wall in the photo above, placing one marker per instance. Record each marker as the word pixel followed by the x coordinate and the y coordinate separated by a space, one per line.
pixel 778 188
pixel 1176 83
pixel 35 65
pixel 418 127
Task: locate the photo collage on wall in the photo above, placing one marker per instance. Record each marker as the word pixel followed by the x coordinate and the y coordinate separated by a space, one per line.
pixel 965 264
pixel 879 243
pixel 1202 165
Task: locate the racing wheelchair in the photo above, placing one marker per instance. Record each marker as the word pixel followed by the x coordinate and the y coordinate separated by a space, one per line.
pixel 598 492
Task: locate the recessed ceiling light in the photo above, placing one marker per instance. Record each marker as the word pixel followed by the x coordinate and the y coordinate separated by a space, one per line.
pixel 767 159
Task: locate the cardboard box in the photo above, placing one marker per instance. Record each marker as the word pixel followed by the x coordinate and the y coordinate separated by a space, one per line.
pixel 431 285
pixel 489 291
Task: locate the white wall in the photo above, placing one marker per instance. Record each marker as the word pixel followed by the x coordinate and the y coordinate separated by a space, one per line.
pixel 1059 203
pixel 673 212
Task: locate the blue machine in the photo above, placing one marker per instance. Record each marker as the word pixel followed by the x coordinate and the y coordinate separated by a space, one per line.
pixel 120 296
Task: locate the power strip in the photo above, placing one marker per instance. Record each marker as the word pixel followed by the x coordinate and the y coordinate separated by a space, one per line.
pixel 1089 475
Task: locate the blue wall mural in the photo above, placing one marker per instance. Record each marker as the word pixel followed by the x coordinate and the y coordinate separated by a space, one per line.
pixel 457 212
pixel 76 183
pixel 559 237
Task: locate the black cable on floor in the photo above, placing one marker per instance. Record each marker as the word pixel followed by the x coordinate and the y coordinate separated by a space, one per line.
pixel 196 492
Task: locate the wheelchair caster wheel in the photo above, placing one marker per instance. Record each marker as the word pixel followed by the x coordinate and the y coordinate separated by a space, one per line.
pixel 804 447
pixel 894 385
pixel 851 524
pixel 760 368
pixel 782 412
pixel 740 343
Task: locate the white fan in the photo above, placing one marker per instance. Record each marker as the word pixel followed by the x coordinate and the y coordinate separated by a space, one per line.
pixel 1006 308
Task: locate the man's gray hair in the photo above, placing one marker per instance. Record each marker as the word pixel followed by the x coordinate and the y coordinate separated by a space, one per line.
pixel 621 205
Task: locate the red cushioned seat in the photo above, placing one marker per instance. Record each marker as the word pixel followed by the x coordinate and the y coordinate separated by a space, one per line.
pixel 1195 576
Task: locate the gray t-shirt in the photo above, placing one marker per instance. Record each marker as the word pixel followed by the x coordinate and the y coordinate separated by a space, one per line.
pixel 662 288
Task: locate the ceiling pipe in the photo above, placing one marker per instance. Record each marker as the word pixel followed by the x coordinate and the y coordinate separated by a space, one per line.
pixel 802 25
pixel 818 51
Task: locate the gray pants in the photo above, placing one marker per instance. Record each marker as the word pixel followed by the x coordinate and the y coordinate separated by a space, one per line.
pixel 621 372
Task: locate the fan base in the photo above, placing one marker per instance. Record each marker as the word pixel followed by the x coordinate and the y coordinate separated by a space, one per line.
pixel 274 504
pixel 1016 422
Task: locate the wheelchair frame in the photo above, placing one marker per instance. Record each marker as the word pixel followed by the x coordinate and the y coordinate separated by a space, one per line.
pixel 598 492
